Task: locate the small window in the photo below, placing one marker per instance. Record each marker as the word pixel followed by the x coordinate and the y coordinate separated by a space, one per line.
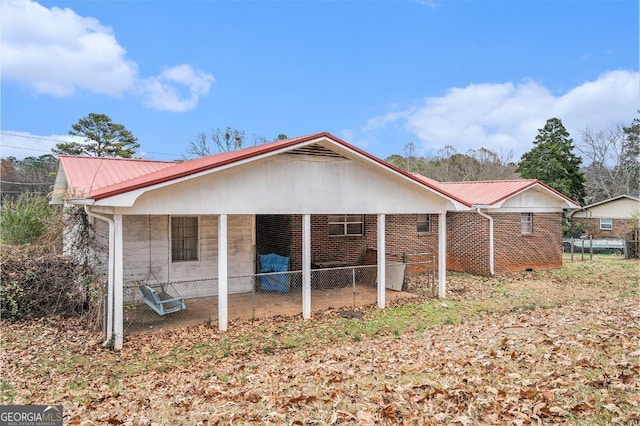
pixel 184 238
pixel 606 224
pixel 424 222
pixel 346 224
pixel 526 223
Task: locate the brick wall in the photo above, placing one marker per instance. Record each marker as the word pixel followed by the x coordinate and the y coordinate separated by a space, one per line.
pixel 273 234
pixel 514 251
pixel 621 227
pixel 283 235
pixel 468 243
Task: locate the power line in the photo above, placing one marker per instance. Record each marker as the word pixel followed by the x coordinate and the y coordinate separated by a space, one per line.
pixel 26 183
pixel 31 137
pixel 62 140
pixel 22 147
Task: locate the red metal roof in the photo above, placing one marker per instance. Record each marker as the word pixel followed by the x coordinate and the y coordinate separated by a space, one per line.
pixel 489 192
pixel 98 178
pixel 88 175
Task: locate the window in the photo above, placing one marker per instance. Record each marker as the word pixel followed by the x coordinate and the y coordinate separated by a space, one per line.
pixel 606 224
pixel 424 222
pixel 526 223
pixel 346 224
pixel 184 238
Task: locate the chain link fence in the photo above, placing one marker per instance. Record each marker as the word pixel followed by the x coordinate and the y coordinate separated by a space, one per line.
pixel 421 272
pixel 184 303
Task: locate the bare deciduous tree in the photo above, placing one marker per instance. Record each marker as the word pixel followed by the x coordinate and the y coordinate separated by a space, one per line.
pixel 613 165
pixel 224 140
pixel 451 166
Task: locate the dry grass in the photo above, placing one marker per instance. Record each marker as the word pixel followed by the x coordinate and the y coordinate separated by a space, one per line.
pixel 552 347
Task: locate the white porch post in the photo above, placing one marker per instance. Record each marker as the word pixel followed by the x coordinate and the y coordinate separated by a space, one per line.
pixel 382 267
pixel 110 281
pixel 306 266
pixel 223 314
pixel 442 255
pixel 118 278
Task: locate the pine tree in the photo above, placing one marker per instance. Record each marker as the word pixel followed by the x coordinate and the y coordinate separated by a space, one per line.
pixel 552 161
pixel 102 138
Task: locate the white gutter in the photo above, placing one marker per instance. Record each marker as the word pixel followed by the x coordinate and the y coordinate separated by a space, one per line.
pixel 491 259
pixel 109 306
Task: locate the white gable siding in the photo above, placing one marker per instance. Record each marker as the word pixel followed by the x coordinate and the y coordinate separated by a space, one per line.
pixel 288 184
pixel 534 201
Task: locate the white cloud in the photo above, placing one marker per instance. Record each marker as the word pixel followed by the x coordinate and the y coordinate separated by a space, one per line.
pixel 55 51
pixel 58 52
pixel 161 92
pixel 24 144
pixel 507 116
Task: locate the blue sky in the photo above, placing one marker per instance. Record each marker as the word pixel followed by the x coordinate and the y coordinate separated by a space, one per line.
pixel 469 74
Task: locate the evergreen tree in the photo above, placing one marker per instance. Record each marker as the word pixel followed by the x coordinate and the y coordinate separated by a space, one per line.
pixel 102 138
pixel 552 161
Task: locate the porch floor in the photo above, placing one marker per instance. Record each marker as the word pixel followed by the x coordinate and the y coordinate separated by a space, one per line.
pixel 140 318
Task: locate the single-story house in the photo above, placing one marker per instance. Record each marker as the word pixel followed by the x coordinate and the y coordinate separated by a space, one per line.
pixel 612 218
pixel 198 218
pixel 315 199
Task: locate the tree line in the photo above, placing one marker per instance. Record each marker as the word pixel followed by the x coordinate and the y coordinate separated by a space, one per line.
pixel 606 164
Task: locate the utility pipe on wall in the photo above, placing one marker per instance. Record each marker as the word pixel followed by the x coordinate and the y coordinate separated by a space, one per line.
pixel 110 273
pixel 491 261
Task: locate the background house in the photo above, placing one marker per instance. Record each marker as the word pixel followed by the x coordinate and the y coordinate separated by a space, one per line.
pixel 612 218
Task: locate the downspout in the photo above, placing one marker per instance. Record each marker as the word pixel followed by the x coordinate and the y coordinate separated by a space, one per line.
pixel 110 273
pixel 491 261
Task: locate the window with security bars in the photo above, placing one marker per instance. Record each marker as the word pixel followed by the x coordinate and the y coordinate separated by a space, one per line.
pixel 424 222
pixel 526 223
pixel 184 238
pixel 346 224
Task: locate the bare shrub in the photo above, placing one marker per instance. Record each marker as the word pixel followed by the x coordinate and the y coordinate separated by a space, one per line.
pixel 42 285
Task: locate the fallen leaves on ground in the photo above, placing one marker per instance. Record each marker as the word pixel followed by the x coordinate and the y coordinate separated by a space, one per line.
pixel 575 362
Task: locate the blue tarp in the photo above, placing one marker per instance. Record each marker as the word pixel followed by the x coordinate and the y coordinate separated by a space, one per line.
pixel 274 263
